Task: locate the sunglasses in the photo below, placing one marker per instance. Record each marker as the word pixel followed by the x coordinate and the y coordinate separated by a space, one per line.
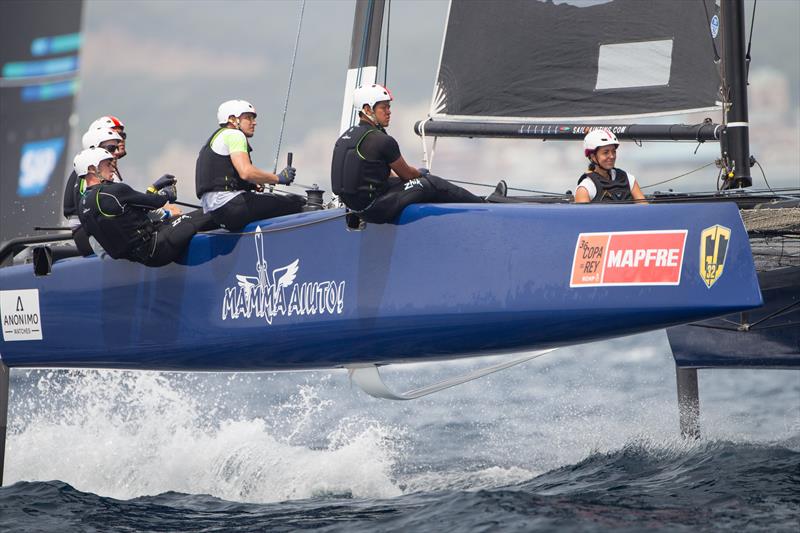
pixel 111 148
pixel 123 135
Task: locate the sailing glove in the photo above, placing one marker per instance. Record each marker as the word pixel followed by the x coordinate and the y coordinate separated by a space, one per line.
pixel 423 172
pixel 164 181
pixel 286 176
pixel 170 191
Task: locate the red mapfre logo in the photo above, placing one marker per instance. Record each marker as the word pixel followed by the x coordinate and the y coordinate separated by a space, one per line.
pixel 628 258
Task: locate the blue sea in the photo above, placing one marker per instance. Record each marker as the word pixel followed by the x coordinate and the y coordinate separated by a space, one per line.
pixel 583 439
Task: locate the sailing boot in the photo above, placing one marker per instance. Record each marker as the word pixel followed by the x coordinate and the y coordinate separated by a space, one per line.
pixel 499 194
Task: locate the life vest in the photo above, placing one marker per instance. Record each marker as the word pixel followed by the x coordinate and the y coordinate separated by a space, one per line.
pixel 356 179
pixel 613 189
pixel 215 172
pixel 121 230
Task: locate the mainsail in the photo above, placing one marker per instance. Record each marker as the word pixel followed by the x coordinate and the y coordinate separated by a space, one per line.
pixel 557 60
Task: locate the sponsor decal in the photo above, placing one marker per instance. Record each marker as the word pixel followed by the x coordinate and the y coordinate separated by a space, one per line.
pixel 714 26
pixel 19 312
pixel 37 162
pixel 584 130
pixel 713 251
pixel 410 184
pixel 628 258
pixel 268 295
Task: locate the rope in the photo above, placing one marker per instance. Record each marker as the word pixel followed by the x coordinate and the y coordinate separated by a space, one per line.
pixel 289 88
pixel 676 177
pixel 763 174
pixel 510 188
pixel 750 39
pixel 386 53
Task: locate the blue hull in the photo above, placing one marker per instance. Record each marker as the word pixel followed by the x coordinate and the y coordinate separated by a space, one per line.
pixel 767 337
pixel 447 281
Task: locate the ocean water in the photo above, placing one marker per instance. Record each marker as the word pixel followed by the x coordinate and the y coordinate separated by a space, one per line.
pixel 582 439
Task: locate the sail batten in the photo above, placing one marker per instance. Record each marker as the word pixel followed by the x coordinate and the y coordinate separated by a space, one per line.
pixel 545 60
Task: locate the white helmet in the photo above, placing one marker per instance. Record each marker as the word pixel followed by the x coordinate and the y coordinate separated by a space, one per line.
pixel 107 121
pixel 96 135
pixel 90 157
pixel 370 95
pixel 233 108
pixel 597 138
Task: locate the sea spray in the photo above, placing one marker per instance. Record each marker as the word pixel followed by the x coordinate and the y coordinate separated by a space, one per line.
pixel 127 434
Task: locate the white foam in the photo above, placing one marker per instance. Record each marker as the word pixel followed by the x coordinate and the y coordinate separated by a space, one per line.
pixel 124 434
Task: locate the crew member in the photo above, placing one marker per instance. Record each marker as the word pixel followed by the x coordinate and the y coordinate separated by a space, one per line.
pixel 602 182
pixel 371 176
pixel 113 123
pixel 96 136
pixel 226 180
pixel 141 227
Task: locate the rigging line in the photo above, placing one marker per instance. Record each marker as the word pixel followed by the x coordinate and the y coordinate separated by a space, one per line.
pixel 289 88
pixel 764 175
pixel 777 314
pixel 386 52
pixel 750 40
pixel 676 177
pixel 510 188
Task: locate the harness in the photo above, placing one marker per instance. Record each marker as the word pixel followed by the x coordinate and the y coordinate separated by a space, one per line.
pixel 616 188
pixel 127 234
pixel 356 179
pixel 215 172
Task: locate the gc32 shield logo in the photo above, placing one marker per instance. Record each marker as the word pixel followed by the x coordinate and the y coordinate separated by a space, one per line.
pixel 713 252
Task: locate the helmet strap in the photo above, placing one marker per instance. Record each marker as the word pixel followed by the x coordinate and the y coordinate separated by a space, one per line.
pixel 370 116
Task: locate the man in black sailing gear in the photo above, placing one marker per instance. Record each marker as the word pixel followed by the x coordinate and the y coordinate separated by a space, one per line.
pixel 96 136
pixel 140 227
pixel 602 182
pixel 371 176
pixel 226 180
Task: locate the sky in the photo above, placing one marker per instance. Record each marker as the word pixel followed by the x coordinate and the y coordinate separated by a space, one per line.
pixel 163 67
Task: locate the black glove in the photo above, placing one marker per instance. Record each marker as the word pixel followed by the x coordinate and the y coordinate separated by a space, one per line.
pixel 423 172
pixel 164 181
pixel 170 191
pixel 286 176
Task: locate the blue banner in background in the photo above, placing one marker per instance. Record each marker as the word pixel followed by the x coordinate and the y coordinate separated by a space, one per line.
pixel 37 162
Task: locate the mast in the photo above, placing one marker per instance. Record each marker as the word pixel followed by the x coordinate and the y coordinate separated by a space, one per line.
pixel 364 49
pixel 735 144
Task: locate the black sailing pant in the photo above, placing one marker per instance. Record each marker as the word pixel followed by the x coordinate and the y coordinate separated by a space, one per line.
pixel 81 239
pixel 427 189
pixel 171 238
pixel 249 206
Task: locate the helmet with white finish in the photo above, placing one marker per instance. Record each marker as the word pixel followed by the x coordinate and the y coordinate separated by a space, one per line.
pixel 233 108
pixel 597 138
pixel 107 121
pixel 90 157
pixel 94 136
pixel 370 95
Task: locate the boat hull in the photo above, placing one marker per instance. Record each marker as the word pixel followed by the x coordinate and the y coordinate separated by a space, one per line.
pixel 766 337
pixel 446 281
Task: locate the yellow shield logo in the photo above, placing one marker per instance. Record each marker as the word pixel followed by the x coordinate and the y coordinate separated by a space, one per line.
pixel 713 251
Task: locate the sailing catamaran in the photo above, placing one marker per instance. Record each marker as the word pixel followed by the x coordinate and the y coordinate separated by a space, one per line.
pixel 445 281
